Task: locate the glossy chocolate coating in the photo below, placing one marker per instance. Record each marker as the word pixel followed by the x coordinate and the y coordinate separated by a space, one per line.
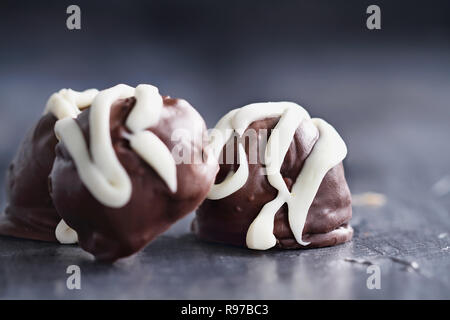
pixel 227 220
pixel 29 211
pixel 113 233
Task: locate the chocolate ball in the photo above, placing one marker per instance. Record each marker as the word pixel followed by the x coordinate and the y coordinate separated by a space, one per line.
pixel 29 211
pixel 140 199
pixel 320 205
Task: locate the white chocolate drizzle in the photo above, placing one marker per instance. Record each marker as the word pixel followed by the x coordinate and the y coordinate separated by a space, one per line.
pixel 65 234
pixel 68 103
pixel 98 166
pixel 328 151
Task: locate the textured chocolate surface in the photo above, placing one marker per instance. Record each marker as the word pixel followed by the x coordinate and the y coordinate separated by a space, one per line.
pixel 112 233
pixel 29 212
pixel 227 220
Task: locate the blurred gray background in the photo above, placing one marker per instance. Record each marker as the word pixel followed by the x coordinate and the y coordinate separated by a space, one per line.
pixel 386 91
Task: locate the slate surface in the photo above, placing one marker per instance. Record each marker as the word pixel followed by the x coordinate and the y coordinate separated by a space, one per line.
pixel 387 94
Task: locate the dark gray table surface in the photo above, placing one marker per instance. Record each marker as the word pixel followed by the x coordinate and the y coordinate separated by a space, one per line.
pixel 401 152
pixel 388 96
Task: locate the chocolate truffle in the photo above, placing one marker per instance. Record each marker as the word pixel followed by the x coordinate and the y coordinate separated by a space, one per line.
pixel 288 191
pixel 127 168
pixel 29 211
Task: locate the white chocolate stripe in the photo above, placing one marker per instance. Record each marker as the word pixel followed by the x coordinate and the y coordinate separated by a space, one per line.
pixel 99 168
pixel 155 152
pixel 258 111
pixel 279 142
pixel 112 193
pixel 104 175
pixel 65 234
pixel 260 233
pixel 115 182
pixel 328 151
pixel 220 135
pixel 238 120
pixel 147 111
pixel 233 180
pixel 68 103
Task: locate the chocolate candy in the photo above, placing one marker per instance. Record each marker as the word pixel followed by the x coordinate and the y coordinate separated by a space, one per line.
pixel 293 196
pixel 29 211
pixel 127 168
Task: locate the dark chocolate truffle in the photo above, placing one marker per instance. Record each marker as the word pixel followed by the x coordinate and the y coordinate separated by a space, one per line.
pixel 281 181
pixel 129 167
pixel 29 211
